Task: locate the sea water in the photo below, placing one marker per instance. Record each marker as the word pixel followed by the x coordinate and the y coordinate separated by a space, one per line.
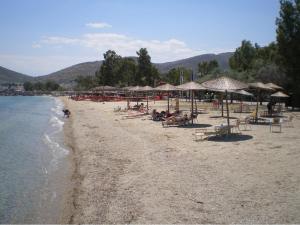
pixel 34 165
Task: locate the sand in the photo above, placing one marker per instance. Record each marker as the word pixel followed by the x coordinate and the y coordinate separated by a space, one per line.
pixel 136 171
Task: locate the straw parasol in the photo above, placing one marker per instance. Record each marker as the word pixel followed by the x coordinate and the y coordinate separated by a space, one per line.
pixel 280 94
pixel 104 88
pixel 243 92
pixel 167 88
pixel 259 86
pixel 226 84
pixel 191 86
pixel 135 88
pixel 147 89
pixel 274 86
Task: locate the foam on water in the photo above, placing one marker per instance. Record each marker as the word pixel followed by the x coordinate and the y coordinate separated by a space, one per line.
pixel 51 137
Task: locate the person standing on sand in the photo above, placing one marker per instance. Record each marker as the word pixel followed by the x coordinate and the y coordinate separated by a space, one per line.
pixel 66 112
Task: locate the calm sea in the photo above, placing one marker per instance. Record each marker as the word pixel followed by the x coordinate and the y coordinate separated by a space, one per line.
pixel 34 165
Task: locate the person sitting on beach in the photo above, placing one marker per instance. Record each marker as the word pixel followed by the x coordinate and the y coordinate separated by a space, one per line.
pixel 66 112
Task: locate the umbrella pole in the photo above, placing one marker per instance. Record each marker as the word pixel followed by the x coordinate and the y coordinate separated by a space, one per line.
pixel 147 102
pixel 227 113
pixel 168 103
pixel 222 104
pixel 192 92
pixel 256 114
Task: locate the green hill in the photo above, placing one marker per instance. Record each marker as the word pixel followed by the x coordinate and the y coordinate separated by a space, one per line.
pixel 9 76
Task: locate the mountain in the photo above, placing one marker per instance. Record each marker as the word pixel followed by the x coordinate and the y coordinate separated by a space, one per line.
pixel 9 76
pixel 67 76
pixel 192 63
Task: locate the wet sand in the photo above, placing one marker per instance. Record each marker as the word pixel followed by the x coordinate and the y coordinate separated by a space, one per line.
pixel 136 171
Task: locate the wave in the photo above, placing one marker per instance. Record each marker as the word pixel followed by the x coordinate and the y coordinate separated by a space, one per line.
pixel 56 122
pixel 58 107
pixel 58 152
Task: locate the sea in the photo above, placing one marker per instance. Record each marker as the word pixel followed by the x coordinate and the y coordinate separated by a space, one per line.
pixel 34 163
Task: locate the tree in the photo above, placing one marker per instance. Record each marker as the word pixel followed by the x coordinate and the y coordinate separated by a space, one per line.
pixel 85 82
pixel 146 74
pixel 243 57
pixel 173 76
pixel 127 72
pixel 28 86
pixel 288 39
pixel 39 86
pixel 107 75
pixel 50 85
pixel 205 67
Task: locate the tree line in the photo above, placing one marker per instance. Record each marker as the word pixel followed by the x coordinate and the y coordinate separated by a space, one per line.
pixel 128 71
pixel 48 85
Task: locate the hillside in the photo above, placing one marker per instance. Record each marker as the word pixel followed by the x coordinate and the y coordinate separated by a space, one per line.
pixel 67 76
pixel 192 63
pixel 9 76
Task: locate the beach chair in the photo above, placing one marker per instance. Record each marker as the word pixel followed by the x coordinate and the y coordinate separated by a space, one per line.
pixel 276 122
pixel 245 123
pixel 175 121
pixel 236 127
pixel 203 133
pixel 252 116
pixel 289 121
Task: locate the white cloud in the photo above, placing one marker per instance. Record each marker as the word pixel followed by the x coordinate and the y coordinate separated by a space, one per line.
pixel 98 25
pixel 35 45
pixel 59 40
pixel 160 51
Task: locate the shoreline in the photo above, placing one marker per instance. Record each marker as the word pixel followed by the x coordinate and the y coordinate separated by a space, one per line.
pixel 135 171
pixel 70 196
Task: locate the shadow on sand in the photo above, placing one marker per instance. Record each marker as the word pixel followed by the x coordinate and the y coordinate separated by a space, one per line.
pixel 196 125
pixel 224 117
pixel 230 138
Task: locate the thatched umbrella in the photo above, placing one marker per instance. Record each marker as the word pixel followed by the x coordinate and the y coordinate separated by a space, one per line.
pixel 136 89
pixel 147 89
pixel 259 86
pixel 274 86
pixel 226 84
pixel 243 92
pixel 104 88
pixel 280 94
pixel 167 88
pixel 191 86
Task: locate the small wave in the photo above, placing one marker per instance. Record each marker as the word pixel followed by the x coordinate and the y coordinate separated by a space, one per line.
pixel 58 151
pixel 58 107
pixel 55 121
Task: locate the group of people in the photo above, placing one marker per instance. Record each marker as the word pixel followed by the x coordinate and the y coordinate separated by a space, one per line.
pixel 163 115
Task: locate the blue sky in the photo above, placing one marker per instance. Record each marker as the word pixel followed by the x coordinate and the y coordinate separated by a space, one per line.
pixel 42 36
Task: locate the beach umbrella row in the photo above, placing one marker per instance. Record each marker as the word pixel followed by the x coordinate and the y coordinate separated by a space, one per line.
pixel 221 84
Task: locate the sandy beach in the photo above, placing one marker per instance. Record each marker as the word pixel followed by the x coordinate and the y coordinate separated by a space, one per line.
pixel 136 171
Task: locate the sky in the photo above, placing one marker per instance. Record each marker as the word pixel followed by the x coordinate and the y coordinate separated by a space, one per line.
pixel 39 37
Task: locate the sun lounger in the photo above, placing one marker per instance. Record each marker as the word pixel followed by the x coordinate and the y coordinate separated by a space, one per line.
pixel 275 122
pixel 204 133
pixel 175 121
